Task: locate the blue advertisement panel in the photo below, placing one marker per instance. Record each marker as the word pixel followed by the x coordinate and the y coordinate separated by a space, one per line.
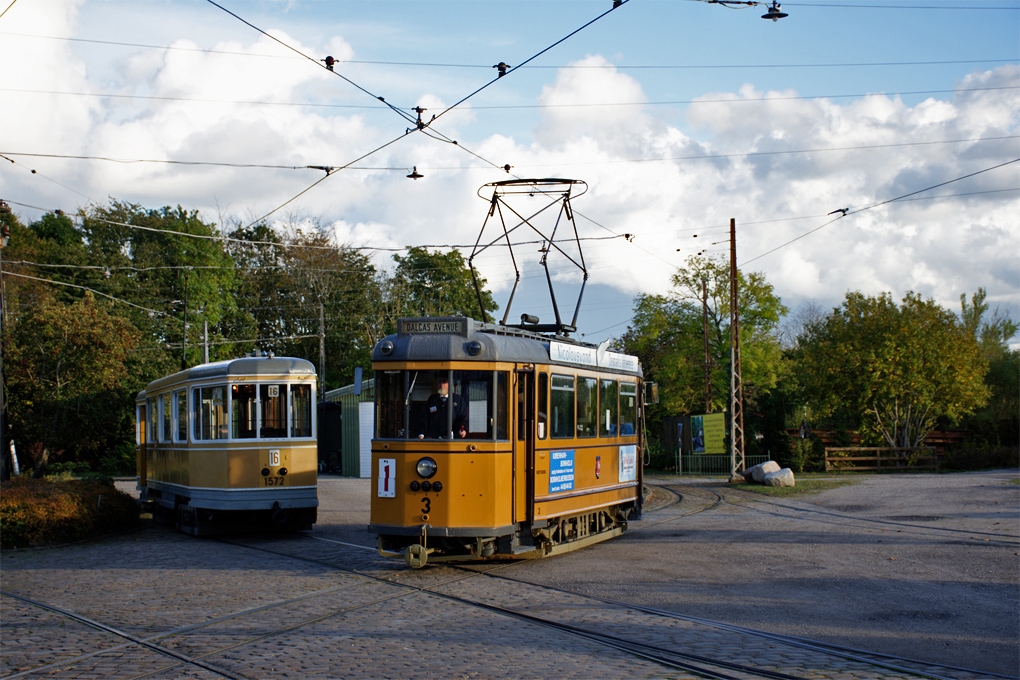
pixel 561 471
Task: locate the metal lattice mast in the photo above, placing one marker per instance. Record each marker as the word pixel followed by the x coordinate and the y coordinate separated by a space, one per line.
pixel 736 383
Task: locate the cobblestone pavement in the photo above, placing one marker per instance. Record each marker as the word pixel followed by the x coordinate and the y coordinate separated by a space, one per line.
pixel 323 605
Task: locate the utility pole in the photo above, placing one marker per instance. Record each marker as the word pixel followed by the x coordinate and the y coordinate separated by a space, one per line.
pixel 708 356
pixel 4 235
pixel 184 333
pixel 736 383
pixel 205 341
pixel 322 353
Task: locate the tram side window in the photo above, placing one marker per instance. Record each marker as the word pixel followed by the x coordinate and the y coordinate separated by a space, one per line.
pixel 587 407
pixel 273 399
pixel 543 404
pixel 628 409
pixel 609 403
pixel 210 412
pixel 166 431
pixel 153 419
pixel 390 397
pixel 181 415
pixel 502 404
pixel 243 412
pixel 562 406
pixel 475 415
pixel 300 410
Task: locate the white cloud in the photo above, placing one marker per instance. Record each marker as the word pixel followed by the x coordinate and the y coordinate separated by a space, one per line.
pixel 938 247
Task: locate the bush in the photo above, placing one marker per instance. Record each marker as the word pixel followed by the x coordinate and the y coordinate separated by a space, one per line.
pixel 981 457
pixel 42 511
pixel 659 456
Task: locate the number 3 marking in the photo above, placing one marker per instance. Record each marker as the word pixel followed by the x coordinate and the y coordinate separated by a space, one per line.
pixel 426 507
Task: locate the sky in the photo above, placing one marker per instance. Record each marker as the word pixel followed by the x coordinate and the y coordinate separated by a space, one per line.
pixel 678 115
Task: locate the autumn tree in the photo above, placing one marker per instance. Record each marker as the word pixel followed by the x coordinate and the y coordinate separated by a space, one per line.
pixel 893 370
pixel 65 366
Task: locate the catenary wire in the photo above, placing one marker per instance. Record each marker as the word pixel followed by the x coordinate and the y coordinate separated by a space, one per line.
pixel 876 205
pixel 403 114
pixel 530 66
pixel 496 107
pixel 616 5
pixel 491 164
pixel 91 290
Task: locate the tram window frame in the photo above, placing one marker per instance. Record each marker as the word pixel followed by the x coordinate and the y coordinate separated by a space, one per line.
pixel 244 406
pixel 586 392
pixel 391 404
pixel 609 413
pixel 267 402
pixel 300 414
pixel 543 405
pixel 628 389
pixel 562 424
pixel 204 430
pixel 153 418
pixel 180 401
pixel 166 425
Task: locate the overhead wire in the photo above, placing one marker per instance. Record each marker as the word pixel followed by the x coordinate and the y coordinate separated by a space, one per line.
pixel 530 66
pixel 746 154
pixel 91 290
pixel 7 8
pixel 503 73
pixel 406 116
pixel 871 206
pixel 507 107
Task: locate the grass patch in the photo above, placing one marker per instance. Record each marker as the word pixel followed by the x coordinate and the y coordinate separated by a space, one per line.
pixel 805 485
pixel 42 511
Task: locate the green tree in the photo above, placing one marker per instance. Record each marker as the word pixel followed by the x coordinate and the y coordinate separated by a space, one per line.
pixel 891 370
pixel 998 422
pixel 667 334
pixel 437 284
pixel 65 369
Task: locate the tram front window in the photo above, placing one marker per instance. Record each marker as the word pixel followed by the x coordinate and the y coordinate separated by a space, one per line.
pixel 442 404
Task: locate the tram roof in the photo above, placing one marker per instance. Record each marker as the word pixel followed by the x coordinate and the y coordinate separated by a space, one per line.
pixel 464 339
pixel 243 366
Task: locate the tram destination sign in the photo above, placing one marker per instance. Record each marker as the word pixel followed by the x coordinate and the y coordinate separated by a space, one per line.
pixel 437 325
pixel 590 356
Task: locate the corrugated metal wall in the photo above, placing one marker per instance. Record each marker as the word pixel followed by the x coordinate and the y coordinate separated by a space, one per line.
pixel 351 435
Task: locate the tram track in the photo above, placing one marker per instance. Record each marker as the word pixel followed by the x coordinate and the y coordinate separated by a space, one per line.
pixel 698 664
pixel 821 516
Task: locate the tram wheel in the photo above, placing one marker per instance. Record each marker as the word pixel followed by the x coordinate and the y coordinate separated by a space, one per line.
pixel 416 556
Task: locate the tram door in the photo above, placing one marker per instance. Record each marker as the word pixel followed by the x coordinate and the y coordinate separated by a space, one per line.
pixel 524 446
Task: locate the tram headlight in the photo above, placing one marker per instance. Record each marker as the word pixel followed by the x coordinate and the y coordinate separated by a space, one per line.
pixel 426 467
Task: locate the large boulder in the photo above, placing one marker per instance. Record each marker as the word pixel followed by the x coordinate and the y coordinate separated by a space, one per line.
pixel 758 472
pixel 783 477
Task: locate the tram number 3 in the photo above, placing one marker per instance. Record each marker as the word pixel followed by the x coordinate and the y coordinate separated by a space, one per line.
pixel 273 481
pixel 426 505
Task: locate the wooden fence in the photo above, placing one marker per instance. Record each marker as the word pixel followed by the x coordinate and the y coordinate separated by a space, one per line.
pixel 881 458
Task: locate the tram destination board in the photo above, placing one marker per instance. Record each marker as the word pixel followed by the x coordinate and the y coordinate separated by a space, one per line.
pixel 445 325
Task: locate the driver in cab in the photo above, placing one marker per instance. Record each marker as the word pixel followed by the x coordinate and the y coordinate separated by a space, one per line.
pixel 437 412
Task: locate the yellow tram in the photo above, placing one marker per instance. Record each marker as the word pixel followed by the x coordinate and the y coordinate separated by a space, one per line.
pixel 230 446
pixel 496 442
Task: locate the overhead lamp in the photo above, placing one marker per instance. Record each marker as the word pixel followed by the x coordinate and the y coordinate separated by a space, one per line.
pixel 415 174
pixel 774 13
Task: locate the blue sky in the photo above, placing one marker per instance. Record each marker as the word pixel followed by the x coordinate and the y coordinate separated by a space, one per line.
pixel 605 106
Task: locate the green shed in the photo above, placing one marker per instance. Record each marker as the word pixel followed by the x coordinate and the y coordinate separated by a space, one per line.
pixel 358 424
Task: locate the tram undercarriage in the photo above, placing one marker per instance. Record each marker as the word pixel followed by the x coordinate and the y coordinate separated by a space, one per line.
pixel 544 537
